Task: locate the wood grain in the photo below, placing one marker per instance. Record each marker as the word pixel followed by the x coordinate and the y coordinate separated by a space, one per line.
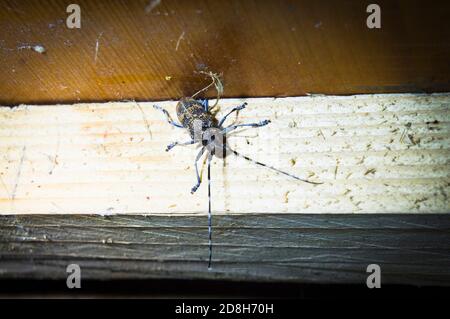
pixel 374 154
pixel 410 249
pixel 124 50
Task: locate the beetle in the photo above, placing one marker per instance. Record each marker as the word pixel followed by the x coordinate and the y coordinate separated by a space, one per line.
pixel 196 116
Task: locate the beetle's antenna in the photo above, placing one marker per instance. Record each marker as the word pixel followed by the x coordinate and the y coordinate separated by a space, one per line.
pixel 271 167
pixel 216 82
pixel 209 213
pixel 204 89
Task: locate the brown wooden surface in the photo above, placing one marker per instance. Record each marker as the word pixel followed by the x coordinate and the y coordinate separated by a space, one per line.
pixel 263 48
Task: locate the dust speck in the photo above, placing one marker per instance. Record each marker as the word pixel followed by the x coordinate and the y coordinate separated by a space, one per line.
pixel 37 48
pixel 370 171
pixel 286 197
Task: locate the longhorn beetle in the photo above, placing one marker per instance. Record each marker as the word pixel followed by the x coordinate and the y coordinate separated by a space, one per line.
pixel 195 116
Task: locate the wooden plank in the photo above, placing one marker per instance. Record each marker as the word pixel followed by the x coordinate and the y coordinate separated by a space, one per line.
pixel 125 50
pixel 374 154
pixel 410 249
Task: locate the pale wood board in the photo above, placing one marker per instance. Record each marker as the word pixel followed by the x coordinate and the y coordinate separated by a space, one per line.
pixel 110 158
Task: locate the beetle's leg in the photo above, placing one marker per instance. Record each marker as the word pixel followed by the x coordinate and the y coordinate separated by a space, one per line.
pixel 233 127
pixel 168 117
pixel 172 145
pixel 199 180
pixel 206 106
pixel 236 109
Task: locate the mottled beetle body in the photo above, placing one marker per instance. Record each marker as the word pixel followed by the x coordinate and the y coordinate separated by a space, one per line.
pixel 202 125
pixel 190 110
pixel 195 116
